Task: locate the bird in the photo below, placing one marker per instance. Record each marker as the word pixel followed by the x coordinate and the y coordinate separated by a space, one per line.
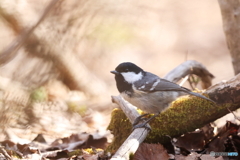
pixel 147 91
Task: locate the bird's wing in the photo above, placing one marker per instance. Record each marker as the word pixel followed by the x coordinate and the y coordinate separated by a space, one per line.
pixel 165 85
pixel 152 83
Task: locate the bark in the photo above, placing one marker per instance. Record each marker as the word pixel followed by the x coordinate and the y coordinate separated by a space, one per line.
pixel 231 24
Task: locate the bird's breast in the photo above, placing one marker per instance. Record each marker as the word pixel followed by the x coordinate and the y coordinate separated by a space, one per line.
pixel 152 102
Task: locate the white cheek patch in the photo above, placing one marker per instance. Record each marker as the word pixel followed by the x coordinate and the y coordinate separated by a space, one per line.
pixel 131 77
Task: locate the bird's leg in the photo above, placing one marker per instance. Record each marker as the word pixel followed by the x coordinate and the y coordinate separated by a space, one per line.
pixel 139 119
pixel 145 122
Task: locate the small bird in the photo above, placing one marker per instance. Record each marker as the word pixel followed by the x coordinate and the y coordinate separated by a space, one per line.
pixel 147 91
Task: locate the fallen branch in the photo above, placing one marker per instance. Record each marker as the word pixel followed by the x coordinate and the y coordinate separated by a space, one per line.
pixel 226 92
pixel 138 135
pixel 191 67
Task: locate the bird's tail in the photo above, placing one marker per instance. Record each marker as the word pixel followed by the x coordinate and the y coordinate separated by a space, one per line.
pixel 199 95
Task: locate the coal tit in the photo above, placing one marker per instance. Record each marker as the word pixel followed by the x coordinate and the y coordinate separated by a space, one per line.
pixel 147 91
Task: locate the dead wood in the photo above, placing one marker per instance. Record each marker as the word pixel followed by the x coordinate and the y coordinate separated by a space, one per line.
pixel 226 92
pixel 191 67
pixel 137 136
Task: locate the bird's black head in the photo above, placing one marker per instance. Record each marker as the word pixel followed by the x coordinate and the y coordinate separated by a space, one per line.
pixel 128 67
pixel 126 74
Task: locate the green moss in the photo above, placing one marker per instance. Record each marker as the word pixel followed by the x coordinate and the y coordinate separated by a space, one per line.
pixel 178 117
pixel 184 115
pixel 131 156
pixel 120 127
pixel 93 151
pixel 13 154
pixel 39 95
pixel 75 107
pixel 75 152
pixel 80 151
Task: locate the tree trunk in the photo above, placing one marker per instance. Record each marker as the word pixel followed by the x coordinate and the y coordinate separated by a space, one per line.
pixel 74 73
pixel 231 24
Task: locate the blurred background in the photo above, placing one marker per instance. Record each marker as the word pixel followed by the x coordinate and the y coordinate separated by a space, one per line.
pixel 68 58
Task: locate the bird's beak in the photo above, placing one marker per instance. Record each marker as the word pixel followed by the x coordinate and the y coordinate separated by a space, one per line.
pixel 114 72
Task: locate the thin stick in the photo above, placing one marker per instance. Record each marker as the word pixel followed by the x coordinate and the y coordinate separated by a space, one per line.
pixel 138 135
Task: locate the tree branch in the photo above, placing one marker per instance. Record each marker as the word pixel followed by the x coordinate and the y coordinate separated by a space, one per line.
pixel 137 136
pixel 191 67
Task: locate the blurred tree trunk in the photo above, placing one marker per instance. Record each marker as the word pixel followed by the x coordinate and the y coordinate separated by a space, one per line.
pixel 231 24
pixel 73 72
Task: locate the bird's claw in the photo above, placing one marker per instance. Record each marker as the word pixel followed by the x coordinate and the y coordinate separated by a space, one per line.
pixel 139 119
pixel 144 121
pixel 142 125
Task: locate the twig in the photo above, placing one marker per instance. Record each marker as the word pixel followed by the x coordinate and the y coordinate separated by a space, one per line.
pixel 184 80
pixel 234 114
pixel 5 154
pixel 138 135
